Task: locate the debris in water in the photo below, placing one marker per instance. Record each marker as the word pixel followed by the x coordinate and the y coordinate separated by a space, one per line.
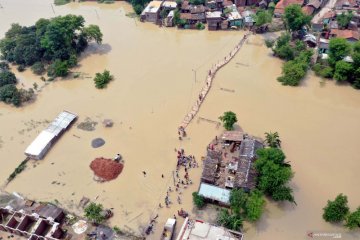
pixel 108 123
pixel 87 125
pixel 106 169
pixel 97 142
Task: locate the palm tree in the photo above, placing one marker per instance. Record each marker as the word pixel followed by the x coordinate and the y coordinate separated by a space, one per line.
pixel 273 139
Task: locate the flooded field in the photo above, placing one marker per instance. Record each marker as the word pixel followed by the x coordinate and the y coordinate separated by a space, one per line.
pixel 154 88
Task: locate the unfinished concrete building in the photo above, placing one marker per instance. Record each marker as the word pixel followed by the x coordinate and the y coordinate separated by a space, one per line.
pixel 31 226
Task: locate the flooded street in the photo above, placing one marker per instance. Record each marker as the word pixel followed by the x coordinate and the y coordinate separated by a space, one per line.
pixel 154 88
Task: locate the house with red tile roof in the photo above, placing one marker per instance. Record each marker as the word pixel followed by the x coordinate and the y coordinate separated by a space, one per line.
pixel 349 35
pixel 282 4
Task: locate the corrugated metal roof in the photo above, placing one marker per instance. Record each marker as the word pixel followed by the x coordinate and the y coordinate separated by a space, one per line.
pixel 40 143
pixel 214 193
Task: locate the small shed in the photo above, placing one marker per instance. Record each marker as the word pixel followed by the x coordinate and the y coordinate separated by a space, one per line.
pixel 215 194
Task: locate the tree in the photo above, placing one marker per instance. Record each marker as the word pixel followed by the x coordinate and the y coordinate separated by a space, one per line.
pixel 4 66
pixel 38 68
pixel 198 200
pixel 92 32
pixel 344 19
pixel 262 17
pixel 93 213
pixel 228 119
pixel 230 220
pixel 338 49
pixel 254 205
pixel 336 211
pixel 138 9
pixel 102 79
pixel 272 139
pixel 293 71
pixel 7 77
pixel 275 155
pixel 343 71
pixel 269 43
pixel 294 18
pixel 10 94
pixel 58 69
pixel 238 199
pixel 273 176
pixel 353 219
pixel 283 193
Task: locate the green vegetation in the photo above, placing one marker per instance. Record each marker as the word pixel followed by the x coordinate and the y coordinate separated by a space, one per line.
pixel 117 230
pixel 61 2
pixel 38 68
pixel 55 41
pixel 200 26
pixel 198 200
pixel 197 2
pixel 93 213
pixel 17 170
pixel 228 119
pixel 294 18
pixel 272 139
pixel 274 174
pixel 102 79
pixel 337 67
pixel 353 219
pixel 344 19
pixel 243 206
pixel 297 56
pixel 336 211
pixel 262 17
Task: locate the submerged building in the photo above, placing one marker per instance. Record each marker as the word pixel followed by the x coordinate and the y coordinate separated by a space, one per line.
pixel 42 143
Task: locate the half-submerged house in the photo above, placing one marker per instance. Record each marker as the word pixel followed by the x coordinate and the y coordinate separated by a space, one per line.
pixel 151 12
pixel 42 143
pixel 213 20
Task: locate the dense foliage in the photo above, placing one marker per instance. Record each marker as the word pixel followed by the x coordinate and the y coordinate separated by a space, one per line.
pixel 262 17
pixel 198 200
pixel 93 213
pixel 336 211
pixel 272 139
pixel 139 5
pixel 8 91
pixel 274 174
pixel 59 40
pixel 344 19
pixel 353 219
pixel 243 206
pixel 102 79
pixel 343 63
pixel 228 119
pixel 294 18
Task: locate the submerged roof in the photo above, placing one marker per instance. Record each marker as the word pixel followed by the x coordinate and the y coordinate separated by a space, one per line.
pixel 215 193
pixel 153 7
pixel 40 143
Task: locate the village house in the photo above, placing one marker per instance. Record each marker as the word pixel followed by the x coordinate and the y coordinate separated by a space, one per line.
pixel 169 5
pixel 346 4
pixel 282 4
pixel 234 17
pixel 242 3
pixel 313 5
pixel 323 46
pixel 185 7
pixel 32 226
pixel 151 12
pixel 169 20
pixel 248 16
pixel 350 35
pixel 200 230
pixel 229 165
pixel 213 20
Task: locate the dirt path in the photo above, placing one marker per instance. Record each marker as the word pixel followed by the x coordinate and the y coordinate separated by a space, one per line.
pixel 329 5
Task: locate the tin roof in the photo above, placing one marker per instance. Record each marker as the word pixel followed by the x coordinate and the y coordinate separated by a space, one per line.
pixel 215 193
pixel 235 136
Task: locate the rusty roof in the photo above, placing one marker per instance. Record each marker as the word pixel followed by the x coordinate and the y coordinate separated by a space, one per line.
pixel 235 136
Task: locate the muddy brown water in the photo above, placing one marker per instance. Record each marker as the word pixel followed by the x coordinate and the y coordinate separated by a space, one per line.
pixel 154 88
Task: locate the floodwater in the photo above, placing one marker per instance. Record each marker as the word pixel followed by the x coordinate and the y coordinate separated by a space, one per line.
pixel 154 88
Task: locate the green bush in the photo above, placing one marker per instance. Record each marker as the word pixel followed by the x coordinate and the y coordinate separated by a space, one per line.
pixel 10 95
pixel 58 69
pixel 93 213
pixel 61 2
pixel 200 26
pixel 336 211
pixel 198 200
pixel 38 68
pixel 7 77
pixel 102 79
